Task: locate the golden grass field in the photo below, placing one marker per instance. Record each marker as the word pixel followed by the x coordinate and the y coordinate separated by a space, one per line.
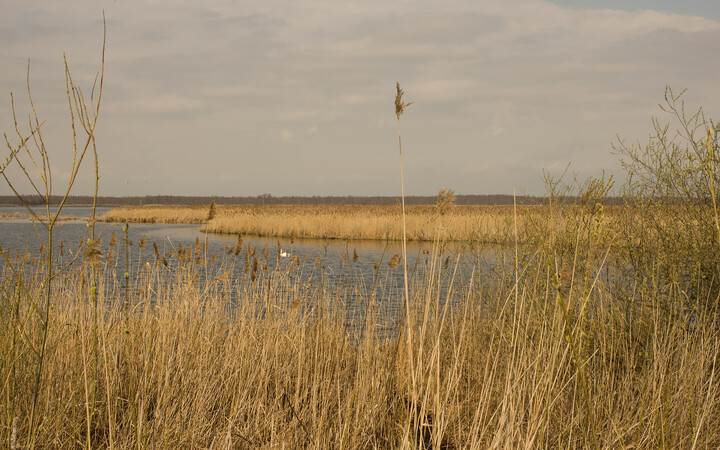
pixel 488 224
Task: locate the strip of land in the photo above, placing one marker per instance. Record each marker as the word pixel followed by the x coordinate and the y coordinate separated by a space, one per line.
pixel 27 216
pixel 491 224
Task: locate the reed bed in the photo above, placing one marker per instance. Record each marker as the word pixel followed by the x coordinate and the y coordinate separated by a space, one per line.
pixel 157 214
pixel 262 358
pixel 13 216
pixel 486 224
pixel 25 216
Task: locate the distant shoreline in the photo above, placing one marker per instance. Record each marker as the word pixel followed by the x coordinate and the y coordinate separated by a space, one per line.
pixel 267 199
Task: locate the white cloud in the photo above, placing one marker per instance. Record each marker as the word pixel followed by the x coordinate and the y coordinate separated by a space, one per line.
pixel 445 89
pixel 540 18
pixel 478 70
pixel 165 104
pixel 355 99
pixel 237 91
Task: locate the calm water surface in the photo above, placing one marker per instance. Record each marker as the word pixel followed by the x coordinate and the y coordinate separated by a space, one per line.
pixel 347 269
pixel 21 235
pixel 18 236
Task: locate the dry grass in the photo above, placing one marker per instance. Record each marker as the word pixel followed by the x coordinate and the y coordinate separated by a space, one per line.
pixel 157 214
pixel 13 216
pixel 26 216
pixel 498 365
pixel 486 224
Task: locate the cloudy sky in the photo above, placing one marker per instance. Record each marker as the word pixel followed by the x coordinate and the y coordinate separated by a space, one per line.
pixel 295 97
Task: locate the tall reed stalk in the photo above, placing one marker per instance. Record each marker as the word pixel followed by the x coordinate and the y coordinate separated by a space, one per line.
pixel 399 110
pixel 711 145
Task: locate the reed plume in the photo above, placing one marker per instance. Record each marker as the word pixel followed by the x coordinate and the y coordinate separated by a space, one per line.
pixel 394 261
pixel 445 200
pixel 211 212
pixel 92 253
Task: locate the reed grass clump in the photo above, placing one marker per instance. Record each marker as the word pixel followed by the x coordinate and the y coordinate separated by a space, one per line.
pixel 480 223
pixel 158 214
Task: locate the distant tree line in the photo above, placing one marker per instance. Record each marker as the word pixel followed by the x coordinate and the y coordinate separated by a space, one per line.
pixel 268 199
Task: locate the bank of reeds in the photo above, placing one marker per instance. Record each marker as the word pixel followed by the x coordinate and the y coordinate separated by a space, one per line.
pixel 265 358
pixel 485 224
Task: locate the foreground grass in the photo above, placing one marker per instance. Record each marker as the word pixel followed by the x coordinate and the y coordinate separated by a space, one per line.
pixel 499 362
pixel 487 224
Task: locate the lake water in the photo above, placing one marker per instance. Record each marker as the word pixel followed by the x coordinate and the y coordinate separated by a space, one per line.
pixel 347 270
pixel 339 258
pixel 21 235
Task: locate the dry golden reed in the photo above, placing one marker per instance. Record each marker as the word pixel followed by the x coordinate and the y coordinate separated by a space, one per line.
pixel 486 224
pixel 250 362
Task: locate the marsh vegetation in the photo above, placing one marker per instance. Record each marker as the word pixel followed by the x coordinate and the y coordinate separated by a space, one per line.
pixel 544 352
pixel 548 355
pixel 489 224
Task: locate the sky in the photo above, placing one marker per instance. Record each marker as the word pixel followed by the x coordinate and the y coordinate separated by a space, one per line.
pixel 295 97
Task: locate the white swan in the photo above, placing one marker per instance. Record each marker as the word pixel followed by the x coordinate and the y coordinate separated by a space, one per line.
pixel 284 254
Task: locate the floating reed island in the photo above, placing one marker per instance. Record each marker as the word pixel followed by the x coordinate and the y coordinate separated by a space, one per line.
pixel 479 223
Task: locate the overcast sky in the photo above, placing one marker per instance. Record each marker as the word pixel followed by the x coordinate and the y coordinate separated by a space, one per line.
pixel 296 97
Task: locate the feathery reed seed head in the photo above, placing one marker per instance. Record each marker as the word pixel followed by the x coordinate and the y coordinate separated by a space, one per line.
pixel 211 212
pixel 92 253
pixel 399 105
pixel 239 245
pixel 394 261
pixel 445 199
